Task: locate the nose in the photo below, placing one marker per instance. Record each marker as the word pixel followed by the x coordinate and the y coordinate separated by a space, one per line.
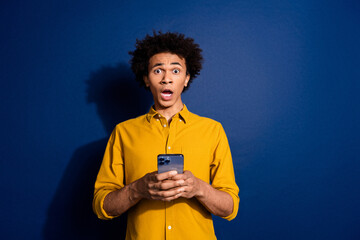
pixel 166 78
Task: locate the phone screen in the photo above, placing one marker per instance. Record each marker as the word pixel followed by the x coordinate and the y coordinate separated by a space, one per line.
pixel 170 162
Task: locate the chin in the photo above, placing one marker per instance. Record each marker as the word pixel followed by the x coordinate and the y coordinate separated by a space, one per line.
pixel 165 105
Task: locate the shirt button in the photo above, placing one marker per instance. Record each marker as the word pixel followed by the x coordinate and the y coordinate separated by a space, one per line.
pixel 169 147
pixel 169 227
pixel 180 120
pixel 164 125
pixel 157 119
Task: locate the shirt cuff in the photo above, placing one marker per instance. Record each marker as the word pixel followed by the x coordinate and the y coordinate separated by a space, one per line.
pixel 99 209
pixel 236 201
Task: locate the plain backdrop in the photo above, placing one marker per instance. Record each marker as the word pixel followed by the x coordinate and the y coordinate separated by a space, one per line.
pixel 281 76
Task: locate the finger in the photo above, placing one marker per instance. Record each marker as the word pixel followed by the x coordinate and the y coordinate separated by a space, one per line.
pixel 165 175
pixel 169 184
pixel 180 176
pixel 152 176
pixel 187 192
pixel 188 173
pixel 161 195
pixel 155 186
pixel 172 198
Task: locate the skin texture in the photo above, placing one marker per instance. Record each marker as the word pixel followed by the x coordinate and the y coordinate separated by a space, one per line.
pixel 167 71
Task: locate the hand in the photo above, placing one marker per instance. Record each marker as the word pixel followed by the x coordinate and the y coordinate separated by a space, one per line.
pixel 191 186
pixel 157 187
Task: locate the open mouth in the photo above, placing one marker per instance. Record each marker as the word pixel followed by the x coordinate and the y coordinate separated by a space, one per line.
pixel 166 94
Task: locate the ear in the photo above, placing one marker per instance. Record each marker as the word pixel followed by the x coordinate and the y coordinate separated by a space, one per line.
pixel 187 80
pixel 146 81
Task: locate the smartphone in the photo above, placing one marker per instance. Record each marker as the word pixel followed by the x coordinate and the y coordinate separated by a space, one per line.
pixel 170 162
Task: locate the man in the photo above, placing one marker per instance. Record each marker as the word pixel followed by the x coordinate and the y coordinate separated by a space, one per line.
pixel 167 205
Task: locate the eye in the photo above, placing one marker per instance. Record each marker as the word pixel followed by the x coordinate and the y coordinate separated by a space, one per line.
pixel 157 71
pixel 176 71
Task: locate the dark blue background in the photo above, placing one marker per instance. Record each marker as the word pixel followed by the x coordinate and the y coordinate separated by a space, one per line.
pixel 281 76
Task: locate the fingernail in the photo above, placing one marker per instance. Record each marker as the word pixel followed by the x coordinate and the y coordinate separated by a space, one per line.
pixel 173 173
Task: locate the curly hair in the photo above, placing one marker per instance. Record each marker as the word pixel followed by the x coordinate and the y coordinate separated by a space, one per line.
pixel 174 43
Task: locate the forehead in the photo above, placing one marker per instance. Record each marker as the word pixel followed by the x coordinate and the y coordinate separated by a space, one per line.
pixel 166 58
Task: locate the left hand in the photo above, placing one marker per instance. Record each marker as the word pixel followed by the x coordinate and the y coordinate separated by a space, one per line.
pixel 191 185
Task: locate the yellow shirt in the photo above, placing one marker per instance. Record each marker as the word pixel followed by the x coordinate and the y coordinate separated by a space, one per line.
pixel 132 152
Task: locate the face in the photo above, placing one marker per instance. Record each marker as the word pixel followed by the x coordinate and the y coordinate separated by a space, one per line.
pixel 166 79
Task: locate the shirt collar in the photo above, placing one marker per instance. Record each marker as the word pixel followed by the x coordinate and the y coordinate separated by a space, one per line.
pixel 183 114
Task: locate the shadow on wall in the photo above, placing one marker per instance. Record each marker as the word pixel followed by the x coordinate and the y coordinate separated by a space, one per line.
pixel 117 97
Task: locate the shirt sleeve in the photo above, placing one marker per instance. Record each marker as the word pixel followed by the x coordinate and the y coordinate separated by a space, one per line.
pixel 111 174
pixel 222 171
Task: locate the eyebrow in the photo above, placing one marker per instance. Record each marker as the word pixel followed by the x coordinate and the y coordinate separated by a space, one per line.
pixel 160 64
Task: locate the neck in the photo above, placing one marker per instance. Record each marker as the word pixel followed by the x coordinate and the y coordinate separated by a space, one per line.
pixel 169 112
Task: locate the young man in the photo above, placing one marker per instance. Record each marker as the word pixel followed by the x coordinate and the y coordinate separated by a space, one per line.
pixel 167 205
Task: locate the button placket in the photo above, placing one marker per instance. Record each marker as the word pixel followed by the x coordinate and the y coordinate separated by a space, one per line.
pixel 169 221
pixel 171 137
pixel 164 129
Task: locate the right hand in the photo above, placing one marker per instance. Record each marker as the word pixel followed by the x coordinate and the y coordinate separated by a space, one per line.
pixel 156 186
